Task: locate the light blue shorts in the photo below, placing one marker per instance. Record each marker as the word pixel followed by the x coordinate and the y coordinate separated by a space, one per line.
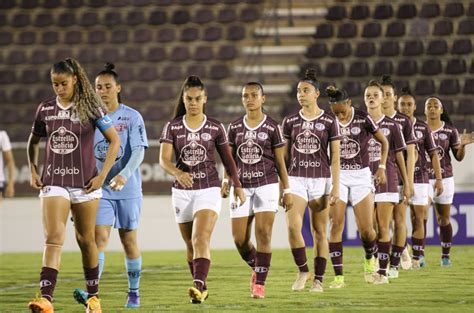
pixel 122 214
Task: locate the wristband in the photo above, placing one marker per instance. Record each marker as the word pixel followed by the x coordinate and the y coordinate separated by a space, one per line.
pixel 225 181
pixel 287 190
pixel 382 166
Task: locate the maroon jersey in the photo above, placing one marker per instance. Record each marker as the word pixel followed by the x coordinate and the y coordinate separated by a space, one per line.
pixel 392 131
pixel 253 151
pixel 406 126
pixel 309 140
pixel 446 137
pixel 424 146
pixel 355 137
pixel 195 149
pixel 69 160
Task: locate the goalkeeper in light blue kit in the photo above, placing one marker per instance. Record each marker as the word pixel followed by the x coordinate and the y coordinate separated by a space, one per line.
pixel 122 198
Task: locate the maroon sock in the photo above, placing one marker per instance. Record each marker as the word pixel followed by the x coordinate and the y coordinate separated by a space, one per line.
pixel 335 252
pixel 383 256
pixel 446 237
pixel 249 257
pixel 92 280
pixel 262 265
pixel 319 268
pixel 48 278
pixel 299 255
pixel 424 237
pixel 201 269
pixel 370 248
pixel 396 255
pixel 417 247
pixel 191 269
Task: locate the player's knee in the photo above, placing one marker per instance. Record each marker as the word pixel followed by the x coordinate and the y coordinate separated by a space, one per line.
pixel 55 237
pixel 366 233
pixel 294 231
pixel 263 236
pixel 240 241
pixel 200 240
pixel 85 239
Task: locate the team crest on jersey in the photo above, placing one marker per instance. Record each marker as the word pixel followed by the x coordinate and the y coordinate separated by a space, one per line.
pixel 206 136
pixel 193 137
pixel 101 148
pixel 262 136
pixel 193 153
pixel 345 131
pixel 385 131
pixel 319 126
pixel 355 131
pixel 63 141
pixel 349 147
pixel 250 152
pixel 120 127
pixel 443 136
pixel 419 134
pixel 307 125
pixel 250 135
pixel 307 143
pixel 375 150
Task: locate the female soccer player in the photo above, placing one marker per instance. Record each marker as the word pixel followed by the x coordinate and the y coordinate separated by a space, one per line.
pixel 419 202
pixel 196 199
pixel 7 187
pixel 357 128
pixel 399 212
pixel 70 181
pixel 309 133
pixel 258 147
pixel 122 193
pixel 386 195
pixel 446 138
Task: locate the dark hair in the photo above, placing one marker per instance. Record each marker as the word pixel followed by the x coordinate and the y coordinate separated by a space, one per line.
pixel 310 78
pixel 190 82
pixel 109 70
pixel 374 83
pixel 386 80
pixel 255 84
pixel 444 116
pixel 336 95
pixel 407 92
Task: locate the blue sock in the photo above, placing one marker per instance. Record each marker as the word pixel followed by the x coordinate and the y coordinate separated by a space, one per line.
pixel 101 262
pixel 134 268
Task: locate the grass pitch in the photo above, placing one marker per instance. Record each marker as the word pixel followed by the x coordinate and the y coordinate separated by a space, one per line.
pixel 166 277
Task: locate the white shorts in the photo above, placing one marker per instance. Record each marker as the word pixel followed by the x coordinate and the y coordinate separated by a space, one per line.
pixel 310 188
pixel 260 199
pixel 75 195
pixel 421 194
pixel 355 185
pixel 187 202
pixel 448 191
pixel 387 197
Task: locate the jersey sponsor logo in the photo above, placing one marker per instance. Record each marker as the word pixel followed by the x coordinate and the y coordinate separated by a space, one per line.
pixel 63 171
pixel 320 126
pixel 359 120
pixel 307 125
pixel 350 167
pixel 180 136
pixel 385 131
pixel 47 108
pixel 193 137
pixel 349 148
pixel 323 118
pixel 176 127
pixel 375 150
pixel 355 131
pixel 309 164
pixel 250 135
pixel 63 141
pixel 236 126
pixel 291 119
pixel 120 127
pixel 61 115
pixel 193 153
pixel 250 152
pixel 206 136
pixel 307 143
pixel 198 175
pixel 101 148
pixel 211 127
pixel 252 174
pixel 443 136
pixel 345 131
pixel 269 127
pixel 419 134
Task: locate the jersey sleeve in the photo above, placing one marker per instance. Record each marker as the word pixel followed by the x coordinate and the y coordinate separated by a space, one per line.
pixel 370 125
pixel 166 134
pixel 408 133
pixel 39 125
pixel 454 139
pixel 138 136
pixel 277 137
pixel 221 137
pixel 231 135
pixel 398 140
pixel 429 140
pixel 334 132
pixel 103 123
pixel 286 128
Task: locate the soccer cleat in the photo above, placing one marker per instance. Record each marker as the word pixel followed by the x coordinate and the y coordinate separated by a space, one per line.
pixel 392 272
pixel 80 296
pixel 446 262
pixel 317 286
pixel 301 279
pixel 253 279
pixel 405 260
pixel 41 305
pixel 258 291
pixel 422 261
pixel 415 264
pixel 369 269
pixel 380 279
pixel 197 296
pixel 133 300
pixel 338 282
pixel 93 305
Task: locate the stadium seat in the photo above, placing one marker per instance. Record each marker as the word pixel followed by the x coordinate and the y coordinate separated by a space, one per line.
pixel 62 53
pixel 43 93
pixel 27 38
pixel 219 71
pixel 172 72
pixel 141 3
pixel 437 47
pixel 135 18
pixel 166 35
pixel 7 4
pixel 157 17
pixel 66 19
pixel 347 30
pixel 142 35
pixel 189 34
pixel 324 30
pixel 180 53
pixel 148 74
pixel 119 36
pixel 16 57
pixel 214 91
pixel 6 38
pixel 413 48
pixel 51 4
pixel 353 88
pixel 470 10
pixel 3 19
pixel 461 46
pixel 466 27
pixel 40 56
pixel 431 67
pixel 226 15
pixel 372 30
pixel 209 2
pixel 73 37
pixel 341 49
pixel 96 3
pixel 429 10
pixel 29 4
pixel 164 2
pixel 227 52
pixel 43 20
pixel 30 76
pixel 197 69
pixel 49 38
pixel 7 76
pixel 465 107
pixel 383 11
pixel 455 67
pixel 235 33
pixel 407 67
pixel 127 74
pixel 395 29
pixel 365 49
pixel 88 19
pixel 87 55
pixel 449 87
pixel 212 33
pixel 401 83
pixel 133 54
pixel 249 14
pixel 382 67
pixel 334 69
pixel 112 18
pixel 317 50
pixel 97 36
pixel 119 3
pixel 180 17
pixel 424 87
pixel 389 48
pixel 163 93
pixel 20 20
pixel 203 16
pixel 137 94
pixel 468 86
pixel 443 28
pixel 336 13
pixel 359 69
pixel 453 9
pixel 188 2
pixel 110 54
pixel 419 28
pixel 20 96
pixel 203 53
pixel 360 12
pixel 156 54
pixel 406 11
